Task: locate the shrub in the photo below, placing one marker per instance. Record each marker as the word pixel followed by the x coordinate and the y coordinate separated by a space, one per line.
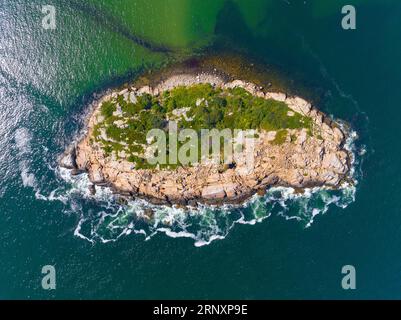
pixel 281 137
pixel 108 108
pixel 232 108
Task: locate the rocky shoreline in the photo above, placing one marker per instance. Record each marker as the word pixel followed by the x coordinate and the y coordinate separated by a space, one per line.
pixel 302 161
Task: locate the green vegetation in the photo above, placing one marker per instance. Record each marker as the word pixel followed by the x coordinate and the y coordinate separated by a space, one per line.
pixel 281 137
pixel 233 108
pixel 107 109
pixel 197 107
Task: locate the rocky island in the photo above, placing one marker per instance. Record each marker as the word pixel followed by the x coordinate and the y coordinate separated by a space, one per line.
pixel 295 145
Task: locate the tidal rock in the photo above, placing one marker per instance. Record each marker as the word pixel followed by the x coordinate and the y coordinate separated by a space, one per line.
pixel 278 96
pixel 149 213
pixel 76 172
pixel 96 174
pixel 331 161
pixel 145 90
pixel 299 105
pixel 338 135
pixel 213 192
pixel 261 192
pixel 92 189
pixel 122 201
pixel 67 160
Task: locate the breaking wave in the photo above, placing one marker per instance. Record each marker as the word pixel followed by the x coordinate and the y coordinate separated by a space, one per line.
pixel 103 219
pixel 204 224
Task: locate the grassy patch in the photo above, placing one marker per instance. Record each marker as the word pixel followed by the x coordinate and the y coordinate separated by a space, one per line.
pixel 208 108
pixel 281 137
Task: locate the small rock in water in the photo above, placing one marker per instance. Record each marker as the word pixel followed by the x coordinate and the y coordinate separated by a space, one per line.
pixel 299 190
pixel 261 192
pixel 122 201
pixel 75 172
pixel 180 206
pixel 192 203
pixel 149 214
pixel 68 158
pixel 92 189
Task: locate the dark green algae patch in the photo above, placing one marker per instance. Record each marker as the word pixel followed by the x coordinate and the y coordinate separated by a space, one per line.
pixel 126 122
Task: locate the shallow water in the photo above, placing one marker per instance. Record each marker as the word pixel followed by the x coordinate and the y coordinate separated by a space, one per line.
pixel 281 246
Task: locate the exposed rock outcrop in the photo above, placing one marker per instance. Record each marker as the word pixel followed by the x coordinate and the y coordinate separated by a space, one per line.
pixel 303 160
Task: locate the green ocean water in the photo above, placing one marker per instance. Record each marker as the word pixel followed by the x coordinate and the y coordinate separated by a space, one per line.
pixel 268 250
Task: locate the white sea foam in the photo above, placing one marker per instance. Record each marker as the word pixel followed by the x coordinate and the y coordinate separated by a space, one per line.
pixel 103 220
pixel 28 179
pixel 204 224
pixel 22 140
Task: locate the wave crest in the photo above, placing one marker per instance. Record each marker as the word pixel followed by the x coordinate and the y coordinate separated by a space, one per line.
pixel 103 219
